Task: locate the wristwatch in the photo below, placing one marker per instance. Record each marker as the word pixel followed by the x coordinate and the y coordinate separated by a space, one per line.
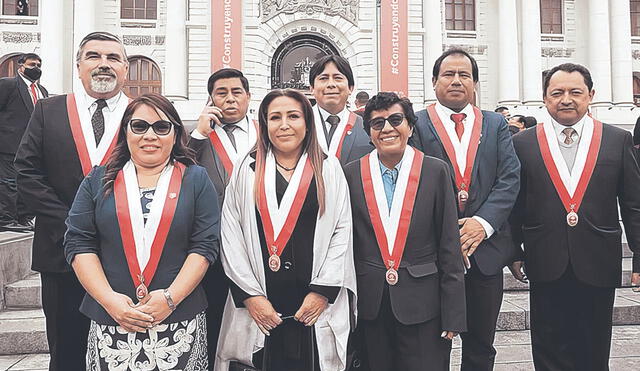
pixel 167 296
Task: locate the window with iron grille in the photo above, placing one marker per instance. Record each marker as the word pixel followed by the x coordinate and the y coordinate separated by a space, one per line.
pixel 460 15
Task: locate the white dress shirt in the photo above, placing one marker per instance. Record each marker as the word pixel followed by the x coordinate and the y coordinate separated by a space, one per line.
pixel 344 115
pixel 577 127
pixel 241 135
pixel 461 146
pixel 28 82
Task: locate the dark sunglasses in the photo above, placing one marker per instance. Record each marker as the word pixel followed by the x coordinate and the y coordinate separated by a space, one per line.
pixel 139 126
pixel 395 120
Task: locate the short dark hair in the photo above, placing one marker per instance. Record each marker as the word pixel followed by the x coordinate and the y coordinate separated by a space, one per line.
pixel 568 67
pixel 23 58
pixel 227 73
pixel 530 121
pixel 341 63
pixel 456 51
pixel 100 36
pixel 362 97
pixel 384 100
pixel 501 109
pixel 519 118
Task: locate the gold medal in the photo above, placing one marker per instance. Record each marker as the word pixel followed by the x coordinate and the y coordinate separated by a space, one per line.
pixel 274 262
pixel 463 196
pixel 572 219
pixel 392 276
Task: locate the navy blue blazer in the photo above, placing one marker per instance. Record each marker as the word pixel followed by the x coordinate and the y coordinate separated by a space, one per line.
pixel 495 182
pixel 92 227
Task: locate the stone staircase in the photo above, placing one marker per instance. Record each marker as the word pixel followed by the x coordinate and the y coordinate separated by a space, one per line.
pixel 22 327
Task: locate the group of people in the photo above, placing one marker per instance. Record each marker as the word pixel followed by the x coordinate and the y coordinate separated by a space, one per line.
pixel 313 238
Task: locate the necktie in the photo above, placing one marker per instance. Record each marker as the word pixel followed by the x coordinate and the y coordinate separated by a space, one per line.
pixel 34 94
pixel 97 120
pixel 229 128
pixel 457 118
pixel 568 135
pixel 333 120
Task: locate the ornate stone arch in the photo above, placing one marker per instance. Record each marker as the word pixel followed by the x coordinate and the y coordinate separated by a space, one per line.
pixel 293 59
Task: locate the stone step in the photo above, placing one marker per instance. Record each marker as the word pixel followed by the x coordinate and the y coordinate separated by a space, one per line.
pixel 15 259
pixel 514 314
pixel 512 284
pixel 22 332
pixel 24 294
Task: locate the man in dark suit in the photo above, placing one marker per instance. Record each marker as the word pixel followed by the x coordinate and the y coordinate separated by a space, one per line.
pixel 18 95
pixel 224 135
pixel 477 146
pixel 340 131
pixel 405 223
pixel 66 136
pixel 575 173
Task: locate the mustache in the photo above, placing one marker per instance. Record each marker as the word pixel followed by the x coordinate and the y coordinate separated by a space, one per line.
pixel 103 71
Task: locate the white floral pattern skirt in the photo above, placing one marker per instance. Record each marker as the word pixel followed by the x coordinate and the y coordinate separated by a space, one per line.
pixel 174 346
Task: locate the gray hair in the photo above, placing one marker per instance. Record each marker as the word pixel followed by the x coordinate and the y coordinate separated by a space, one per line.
pixel 101 36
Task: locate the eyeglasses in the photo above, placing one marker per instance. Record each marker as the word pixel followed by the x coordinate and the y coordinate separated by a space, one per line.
pixel 395 120
pixel 161 127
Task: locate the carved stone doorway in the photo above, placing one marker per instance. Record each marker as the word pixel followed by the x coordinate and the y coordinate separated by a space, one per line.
pixel 293 59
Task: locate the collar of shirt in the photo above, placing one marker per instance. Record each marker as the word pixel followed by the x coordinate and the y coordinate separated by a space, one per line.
pixel 243 124
pixel 446 112
pixel 324 114
pixel 26 80
pixel 89 103
pixel 383 169
pixel 558 127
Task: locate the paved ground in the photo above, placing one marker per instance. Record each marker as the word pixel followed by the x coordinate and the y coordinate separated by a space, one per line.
pixel 514 353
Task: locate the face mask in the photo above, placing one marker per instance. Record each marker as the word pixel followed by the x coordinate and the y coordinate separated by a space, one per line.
pixel 33 74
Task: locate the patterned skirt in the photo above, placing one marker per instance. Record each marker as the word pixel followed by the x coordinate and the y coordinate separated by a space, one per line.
pixel 174 346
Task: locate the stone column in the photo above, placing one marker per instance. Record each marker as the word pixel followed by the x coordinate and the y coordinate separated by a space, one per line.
pixel 432 48
pixel 51 41
pixel 531 53
pixel 621 61
pixel 176 76
pixel 599 55
pixel 84 22
pixel 508 61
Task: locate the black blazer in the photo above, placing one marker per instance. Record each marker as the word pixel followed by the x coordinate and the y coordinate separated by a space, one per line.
pixel 355 144
pixel 431 278
pixel 207 157
pixel 48 175
pixel 16 106
pixel 593 247
pixel 93 228
pixel 495 180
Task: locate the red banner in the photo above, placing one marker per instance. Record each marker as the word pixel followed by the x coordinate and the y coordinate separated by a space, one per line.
pixel 394 55
pixel 226 34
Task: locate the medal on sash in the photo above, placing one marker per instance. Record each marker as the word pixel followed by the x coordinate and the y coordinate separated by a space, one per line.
pixel 168 189
pixel 224 151
pixel 79 140
pixel 277 231
pixel 571 202
pixel 463 181
pixel 391 227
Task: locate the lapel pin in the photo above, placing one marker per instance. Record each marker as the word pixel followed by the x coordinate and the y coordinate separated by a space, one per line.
pixel 349 132
pixel 172 195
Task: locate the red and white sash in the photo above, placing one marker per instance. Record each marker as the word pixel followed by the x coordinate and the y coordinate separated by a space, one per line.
pixel 391 226
pixel 89 154
pixel 279 221
pixel 463 176
pixel 344 128
pixel 570 185
pixel 223 147
pixel 143 243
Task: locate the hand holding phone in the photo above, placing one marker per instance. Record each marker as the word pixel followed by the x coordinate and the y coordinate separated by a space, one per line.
pixel 209 118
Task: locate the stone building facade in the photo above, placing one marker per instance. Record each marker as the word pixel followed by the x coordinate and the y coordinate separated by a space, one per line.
pixel 514 42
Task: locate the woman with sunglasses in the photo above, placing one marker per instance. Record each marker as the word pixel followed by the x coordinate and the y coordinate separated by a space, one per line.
pixel 286 246
pixel 411 299
pixel 141 233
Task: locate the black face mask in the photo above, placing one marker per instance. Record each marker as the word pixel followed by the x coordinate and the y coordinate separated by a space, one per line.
pixel 33 74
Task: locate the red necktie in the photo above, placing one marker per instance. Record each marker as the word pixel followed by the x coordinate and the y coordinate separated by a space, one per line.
pixel 34 95
pixel 457 118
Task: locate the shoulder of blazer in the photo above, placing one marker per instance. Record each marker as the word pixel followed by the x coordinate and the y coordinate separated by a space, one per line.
pixel 614 130
pixel 493 118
